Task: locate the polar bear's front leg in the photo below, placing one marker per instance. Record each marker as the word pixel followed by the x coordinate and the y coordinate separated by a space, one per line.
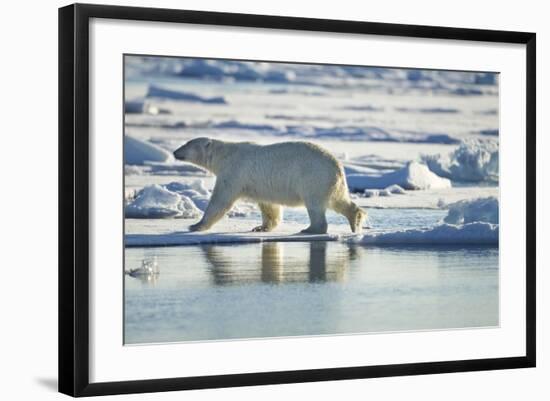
pixel 271 216
pixel 223 198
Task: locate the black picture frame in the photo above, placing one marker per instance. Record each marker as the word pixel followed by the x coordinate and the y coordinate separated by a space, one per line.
pixel 74 198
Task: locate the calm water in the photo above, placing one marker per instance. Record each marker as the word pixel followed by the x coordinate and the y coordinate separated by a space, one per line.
pixel 378 218
pixel 215 292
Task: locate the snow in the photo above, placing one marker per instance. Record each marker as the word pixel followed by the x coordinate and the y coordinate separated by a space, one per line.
pixel 425 199
pixel 473 221
pixel 175 199
pixel 134 106
pixel 158 92
pixel 131 169
pixel 468 211
pixel 413 176
pixel 427 110
pixel 197 186
pixel 196 191
pixel 395 189
pixel 350 169
pixel 371 193
pixel 478 233
pixel 173 168
pixel 140 106
pixel 475 160
pixel 155 201
pixel 137 151
pixel 327 76
pixel 389 191
pixel 303 132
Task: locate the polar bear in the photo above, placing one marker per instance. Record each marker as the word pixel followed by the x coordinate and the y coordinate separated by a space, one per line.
pixel 286 173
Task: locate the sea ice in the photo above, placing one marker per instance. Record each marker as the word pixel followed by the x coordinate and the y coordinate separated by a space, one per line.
pixel 132 169
pixel 328 76
pixel 137 151
pixel 467 222
pixel 176 199
pixel 340 132
pixel 197 186
pixel 140 106
pixel 475 160
pixel 156 91
pixel 413 176
pixel 134 106
pixel 474 210
pixel 196 191
pixel 395 189
pixel 357 169
pixel 389 191
pixel 478 233
pixel 155 201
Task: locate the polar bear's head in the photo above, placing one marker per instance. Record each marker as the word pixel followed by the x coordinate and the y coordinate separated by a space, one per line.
pixel 196 151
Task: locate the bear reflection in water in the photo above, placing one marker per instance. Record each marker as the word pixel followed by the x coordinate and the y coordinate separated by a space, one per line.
pixel 275 267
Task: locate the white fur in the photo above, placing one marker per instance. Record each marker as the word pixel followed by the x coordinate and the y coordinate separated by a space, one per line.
pixel 287 173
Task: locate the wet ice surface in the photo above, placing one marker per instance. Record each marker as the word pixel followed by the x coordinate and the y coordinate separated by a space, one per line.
pixel 215 292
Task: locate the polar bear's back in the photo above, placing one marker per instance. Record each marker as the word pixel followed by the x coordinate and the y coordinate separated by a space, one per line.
pixel 306 157
pixel 289 172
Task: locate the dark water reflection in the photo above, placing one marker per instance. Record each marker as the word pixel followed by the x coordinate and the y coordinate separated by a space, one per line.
pixel 275 267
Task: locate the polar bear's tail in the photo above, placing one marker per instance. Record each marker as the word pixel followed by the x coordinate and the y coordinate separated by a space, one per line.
pixel 355 215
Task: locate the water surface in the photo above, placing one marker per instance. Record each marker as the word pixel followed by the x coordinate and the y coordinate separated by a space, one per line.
pixel 216 292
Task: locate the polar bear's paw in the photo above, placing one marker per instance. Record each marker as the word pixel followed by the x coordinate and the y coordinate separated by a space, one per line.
pixel 314 230
pixel 197 227
pixel 262 229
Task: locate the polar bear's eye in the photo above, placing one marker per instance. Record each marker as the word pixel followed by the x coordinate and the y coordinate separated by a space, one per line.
pixel 207 144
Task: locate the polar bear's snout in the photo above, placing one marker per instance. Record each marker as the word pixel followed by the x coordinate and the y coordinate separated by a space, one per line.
pixel 179 153
pixel 193 151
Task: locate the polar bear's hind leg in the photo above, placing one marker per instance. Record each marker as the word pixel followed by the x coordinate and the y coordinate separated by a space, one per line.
pixel 318 219
pixel 271 217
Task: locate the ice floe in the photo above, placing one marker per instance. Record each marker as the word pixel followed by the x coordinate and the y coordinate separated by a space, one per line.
pixel 137 151
pixel 475 160
pixel 474 210
pixel 413 176
pixel 134 106
pixel 155 201
pixel 350 168
pixel 389 191
pixel 478 233
pixel 340 132
pixel 140 106
pixel 427 110
pixel 373 78
pixel 284 126
pixel 196 191
pixel 473 221
pixel 366 107
pixel 175 200
pixel 131 169
pixel 158 92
